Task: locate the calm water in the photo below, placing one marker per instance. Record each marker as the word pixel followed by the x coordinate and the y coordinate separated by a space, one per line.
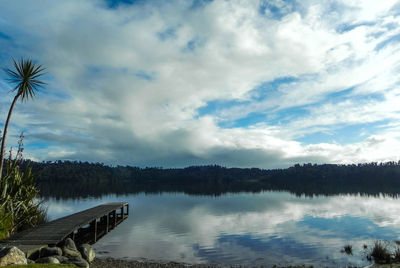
pixel 250 229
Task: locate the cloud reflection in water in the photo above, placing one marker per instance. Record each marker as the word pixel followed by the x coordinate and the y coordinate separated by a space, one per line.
pixel 253 229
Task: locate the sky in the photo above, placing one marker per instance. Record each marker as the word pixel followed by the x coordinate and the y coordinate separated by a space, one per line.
pixel 195 82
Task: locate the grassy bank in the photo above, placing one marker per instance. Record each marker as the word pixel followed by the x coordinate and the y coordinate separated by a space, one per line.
pixel 43 265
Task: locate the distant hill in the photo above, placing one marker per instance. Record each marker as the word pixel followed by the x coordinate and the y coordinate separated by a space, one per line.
pixel 76 179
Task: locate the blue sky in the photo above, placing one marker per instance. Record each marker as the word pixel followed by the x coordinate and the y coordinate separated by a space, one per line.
pixel 193 82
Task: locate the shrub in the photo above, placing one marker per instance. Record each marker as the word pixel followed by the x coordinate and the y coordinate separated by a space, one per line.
pixel 18 200
pixel 380 253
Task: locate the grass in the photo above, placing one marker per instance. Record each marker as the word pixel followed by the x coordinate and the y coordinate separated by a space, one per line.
pixel 6 224
pixel 348 249
pixel 396 256
pixel 44 265
pixel 380 253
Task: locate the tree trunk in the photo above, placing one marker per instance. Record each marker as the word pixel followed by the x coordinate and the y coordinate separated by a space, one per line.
pixel 3 141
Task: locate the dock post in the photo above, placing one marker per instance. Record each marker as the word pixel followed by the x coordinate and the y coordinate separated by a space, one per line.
pixel 115 218
pixel 122 213
pixel 94 228
pixel 72 235
pixel 107 222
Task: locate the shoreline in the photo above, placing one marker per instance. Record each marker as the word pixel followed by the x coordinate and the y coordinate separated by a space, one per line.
pixel 109 262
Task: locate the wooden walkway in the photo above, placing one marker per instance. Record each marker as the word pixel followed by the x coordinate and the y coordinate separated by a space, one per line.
pixel 86 226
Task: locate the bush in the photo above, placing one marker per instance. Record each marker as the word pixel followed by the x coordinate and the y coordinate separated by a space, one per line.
pixel 18 204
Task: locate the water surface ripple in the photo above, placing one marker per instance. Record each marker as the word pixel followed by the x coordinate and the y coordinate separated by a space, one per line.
pixel 248 229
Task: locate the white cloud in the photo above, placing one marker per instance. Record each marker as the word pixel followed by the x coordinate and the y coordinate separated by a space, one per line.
pixel 130 96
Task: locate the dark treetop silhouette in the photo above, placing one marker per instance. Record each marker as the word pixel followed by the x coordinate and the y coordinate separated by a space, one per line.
pixel 68 179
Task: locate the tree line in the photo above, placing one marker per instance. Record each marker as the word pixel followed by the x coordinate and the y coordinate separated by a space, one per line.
pixel 78 179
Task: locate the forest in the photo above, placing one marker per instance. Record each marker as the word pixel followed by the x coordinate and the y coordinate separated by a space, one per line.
pixel 63 179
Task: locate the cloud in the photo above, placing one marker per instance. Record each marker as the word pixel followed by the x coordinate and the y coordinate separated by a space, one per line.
pixel 128 82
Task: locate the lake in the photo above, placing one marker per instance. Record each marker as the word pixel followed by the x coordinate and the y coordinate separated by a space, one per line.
pixel 264 228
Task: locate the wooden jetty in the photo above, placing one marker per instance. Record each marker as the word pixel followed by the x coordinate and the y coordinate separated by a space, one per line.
pixel 86 226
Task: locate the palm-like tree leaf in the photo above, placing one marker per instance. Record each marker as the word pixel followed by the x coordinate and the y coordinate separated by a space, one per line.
pixel 25 78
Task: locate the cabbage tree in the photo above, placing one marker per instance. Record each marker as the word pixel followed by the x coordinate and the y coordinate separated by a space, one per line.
pixel 25 77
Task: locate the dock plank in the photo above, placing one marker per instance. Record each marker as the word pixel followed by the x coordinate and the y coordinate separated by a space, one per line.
pixel 55 231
